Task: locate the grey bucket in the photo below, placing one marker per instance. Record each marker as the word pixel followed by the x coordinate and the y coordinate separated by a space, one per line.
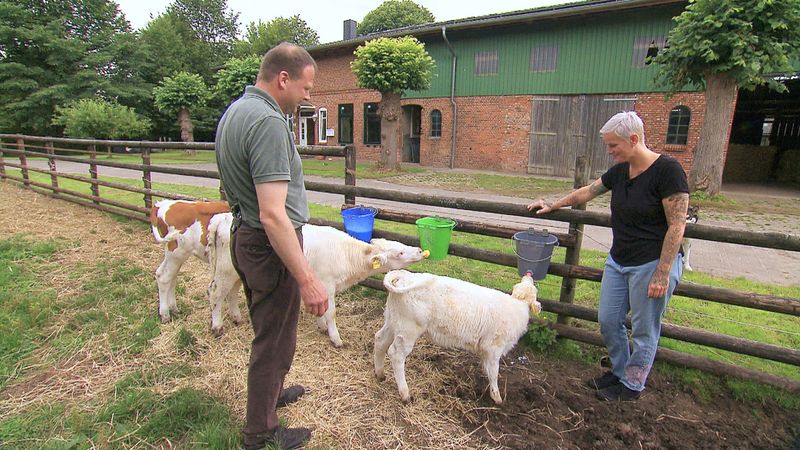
pixel 534 249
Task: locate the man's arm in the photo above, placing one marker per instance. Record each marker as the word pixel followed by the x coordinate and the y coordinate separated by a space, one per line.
pixel 282 237
pixel 675 207
pixel 576 197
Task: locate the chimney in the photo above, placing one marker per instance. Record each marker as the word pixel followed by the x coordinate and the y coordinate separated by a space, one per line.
pixel 349 29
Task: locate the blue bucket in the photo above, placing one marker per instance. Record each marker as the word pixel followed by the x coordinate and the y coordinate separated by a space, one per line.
pixel 359 221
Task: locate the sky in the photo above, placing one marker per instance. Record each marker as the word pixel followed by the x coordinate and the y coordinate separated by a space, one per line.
pixel 326 17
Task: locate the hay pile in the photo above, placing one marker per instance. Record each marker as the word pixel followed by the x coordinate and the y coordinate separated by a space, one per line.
pixel 345 405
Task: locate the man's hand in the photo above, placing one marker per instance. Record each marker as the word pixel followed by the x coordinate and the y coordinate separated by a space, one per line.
pixel 540 206
pixel 315 297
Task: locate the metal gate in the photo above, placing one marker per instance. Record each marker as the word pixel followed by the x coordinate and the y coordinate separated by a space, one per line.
pixel 565 126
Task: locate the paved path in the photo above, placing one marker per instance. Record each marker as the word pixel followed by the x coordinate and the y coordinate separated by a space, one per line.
pixel 721 259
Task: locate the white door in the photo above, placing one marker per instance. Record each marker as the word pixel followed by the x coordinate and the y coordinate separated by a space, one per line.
pixel 303 131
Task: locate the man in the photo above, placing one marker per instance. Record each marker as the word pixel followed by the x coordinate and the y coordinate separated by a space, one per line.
pixel 262 175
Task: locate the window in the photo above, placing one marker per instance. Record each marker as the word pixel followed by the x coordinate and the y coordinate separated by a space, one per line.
pixel 436 123
pixel 372 124
pixel 678 128
pixel 544 59
pixel 346 124
pixel 766 130
pixel 322 122
pixel 645 48
pixel 486 63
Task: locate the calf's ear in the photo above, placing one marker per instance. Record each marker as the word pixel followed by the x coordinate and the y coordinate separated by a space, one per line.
pixel 377 261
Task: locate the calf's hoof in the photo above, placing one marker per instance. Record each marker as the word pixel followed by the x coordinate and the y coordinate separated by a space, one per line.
pixel 164 318
pixel 380 376
pixel 217 332
pixel 407 399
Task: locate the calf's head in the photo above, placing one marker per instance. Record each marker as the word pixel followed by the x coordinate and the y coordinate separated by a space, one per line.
pixel 526 291
pixel 391 255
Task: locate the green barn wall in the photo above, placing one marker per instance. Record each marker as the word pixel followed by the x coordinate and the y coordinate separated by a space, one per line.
pixel 594 56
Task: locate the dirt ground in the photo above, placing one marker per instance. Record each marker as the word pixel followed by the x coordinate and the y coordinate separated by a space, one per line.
pixel 547 403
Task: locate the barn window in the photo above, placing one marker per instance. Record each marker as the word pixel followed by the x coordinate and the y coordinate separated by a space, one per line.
pixel 486 63
pixel 645 48
pixel 346 123
pixel 678 128
pixel 544 59
pixel 372 124
pixel 436 123
pixel 322 121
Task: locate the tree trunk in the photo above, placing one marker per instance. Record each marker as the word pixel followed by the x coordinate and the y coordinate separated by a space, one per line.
pixel 709 157
pixel 187 129
pixel 390 129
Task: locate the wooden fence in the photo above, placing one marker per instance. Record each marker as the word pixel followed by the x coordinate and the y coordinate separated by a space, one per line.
pixel 57 149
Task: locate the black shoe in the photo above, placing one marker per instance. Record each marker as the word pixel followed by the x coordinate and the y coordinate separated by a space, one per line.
pixel 618 392
pixel 290 395
pixel 603 381
pixel 284 438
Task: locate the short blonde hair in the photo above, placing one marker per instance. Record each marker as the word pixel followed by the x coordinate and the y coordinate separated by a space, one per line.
pixel 625 124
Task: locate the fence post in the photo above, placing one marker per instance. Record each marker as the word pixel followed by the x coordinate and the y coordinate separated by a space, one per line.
pixel 2 163
pixel 573 255
pixel 146 178
pixel 23 161
pixel 51 164
pixel 93 173
pixel 350 172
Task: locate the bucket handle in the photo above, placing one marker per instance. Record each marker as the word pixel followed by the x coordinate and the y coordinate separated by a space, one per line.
pixel 513 248
pixel 373 210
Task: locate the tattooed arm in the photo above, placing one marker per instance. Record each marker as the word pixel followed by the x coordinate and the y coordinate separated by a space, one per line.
pixel 575 197
pixel 675 207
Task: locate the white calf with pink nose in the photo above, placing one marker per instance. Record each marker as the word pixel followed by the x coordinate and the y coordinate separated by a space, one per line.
pixel 340 261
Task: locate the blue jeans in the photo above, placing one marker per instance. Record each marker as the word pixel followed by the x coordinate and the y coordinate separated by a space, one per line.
pixel 624 289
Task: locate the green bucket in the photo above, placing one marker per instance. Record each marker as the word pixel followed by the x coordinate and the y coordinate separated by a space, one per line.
pixel 434 235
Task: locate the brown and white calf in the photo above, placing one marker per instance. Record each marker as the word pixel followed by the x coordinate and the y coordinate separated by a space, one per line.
pixel 200 229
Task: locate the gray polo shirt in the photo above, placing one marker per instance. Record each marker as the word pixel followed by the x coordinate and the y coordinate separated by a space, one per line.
pixel 255 145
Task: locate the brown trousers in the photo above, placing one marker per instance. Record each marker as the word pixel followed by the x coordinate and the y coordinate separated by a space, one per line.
pixel 273 299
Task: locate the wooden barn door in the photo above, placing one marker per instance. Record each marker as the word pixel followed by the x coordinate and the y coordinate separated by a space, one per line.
pixel 563 127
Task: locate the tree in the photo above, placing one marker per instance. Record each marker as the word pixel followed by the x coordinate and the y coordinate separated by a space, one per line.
pixel 260 37
pixel 725 45
pixel 180 94
pixel 237 74
pixel 99 119
pixel 55 52
pixel 393 14
pixel 210 22
pixel 392 66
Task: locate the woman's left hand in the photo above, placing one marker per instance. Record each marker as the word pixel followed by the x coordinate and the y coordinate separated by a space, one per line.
pixel 658 285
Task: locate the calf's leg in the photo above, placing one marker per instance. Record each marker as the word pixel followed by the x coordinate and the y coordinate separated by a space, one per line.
pixel 327 323
pixel 398 351
pixel 383 339
pixel 166 279
pixel 491 365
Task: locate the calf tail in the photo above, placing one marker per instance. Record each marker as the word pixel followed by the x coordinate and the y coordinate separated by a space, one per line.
pixel 402 281
pixel 218 239
pixel 170 236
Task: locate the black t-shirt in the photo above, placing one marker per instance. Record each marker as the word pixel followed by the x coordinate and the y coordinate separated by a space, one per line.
pixel 638 221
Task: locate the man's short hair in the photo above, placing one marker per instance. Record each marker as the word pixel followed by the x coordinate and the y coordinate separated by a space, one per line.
pixel 285 56
pixel 624 125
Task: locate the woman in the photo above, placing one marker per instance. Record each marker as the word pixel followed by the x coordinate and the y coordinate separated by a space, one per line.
pixel 649 199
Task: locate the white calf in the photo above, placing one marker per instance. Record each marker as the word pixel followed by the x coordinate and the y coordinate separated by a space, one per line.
pixel 340 261
pixel 453 313
pixel 202 229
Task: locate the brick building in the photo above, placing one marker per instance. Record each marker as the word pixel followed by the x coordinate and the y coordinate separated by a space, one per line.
pixel 523 92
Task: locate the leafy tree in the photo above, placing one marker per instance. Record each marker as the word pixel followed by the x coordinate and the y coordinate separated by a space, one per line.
pixel 260 37
pixel 237 74
pixel 725 45
pixel 393 14
pixel 392 66
pixel 99 119
pixel 180 94
pixel 52 53
pixel 211 23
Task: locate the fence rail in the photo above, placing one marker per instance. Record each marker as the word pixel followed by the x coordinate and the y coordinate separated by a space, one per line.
pixel 20 147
